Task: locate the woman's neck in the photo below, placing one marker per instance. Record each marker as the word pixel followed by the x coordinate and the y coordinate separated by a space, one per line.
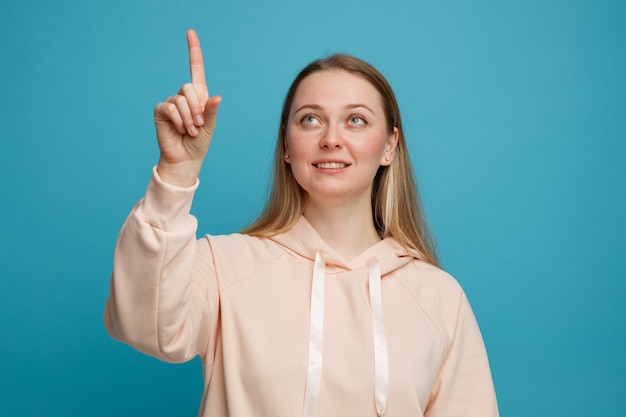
pixel 347 228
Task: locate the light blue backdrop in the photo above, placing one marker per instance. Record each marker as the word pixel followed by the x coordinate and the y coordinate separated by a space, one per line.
pixel 516 117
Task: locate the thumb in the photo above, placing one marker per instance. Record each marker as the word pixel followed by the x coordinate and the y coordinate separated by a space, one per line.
pixel 210 113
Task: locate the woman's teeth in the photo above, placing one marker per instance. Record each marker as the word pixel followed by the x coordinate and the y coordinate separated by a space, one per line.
pixel 331 165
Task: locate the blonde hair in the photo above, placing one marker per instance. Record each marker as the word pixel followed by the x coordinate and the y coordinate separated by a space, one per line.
pixel 395 200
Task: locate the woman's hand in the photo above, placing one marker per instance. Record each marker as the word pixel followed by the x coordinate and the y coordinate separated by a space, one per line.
pixel 185 123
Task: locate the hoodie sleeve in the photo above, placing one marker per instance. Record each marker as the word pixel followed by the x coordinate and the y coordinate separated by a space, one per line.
pixel 163 295
pixel 464 385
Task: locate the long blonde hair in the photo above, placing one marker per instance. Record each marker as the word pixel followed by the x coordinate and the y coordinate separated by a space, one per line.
pixel 395 201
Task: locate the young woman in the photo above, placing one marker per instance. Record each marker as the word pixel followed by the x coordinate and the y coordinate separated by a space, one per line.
pixel 332 302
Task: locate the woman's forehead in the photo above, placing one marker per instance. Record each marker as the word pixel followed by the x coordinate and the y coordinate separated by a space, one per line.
pixel 335 87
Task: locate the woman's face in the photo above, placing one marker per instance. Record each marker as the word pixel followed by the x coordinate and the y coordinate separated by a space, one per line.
pixel 336 136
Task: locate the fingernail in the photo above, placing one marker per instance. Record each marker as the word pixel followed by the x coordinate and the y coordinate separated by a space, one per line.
pixel 193 131
pixel 199 120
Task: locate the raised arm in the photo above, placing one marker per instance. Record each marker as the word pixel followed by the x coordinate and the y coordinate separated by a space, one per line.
pixel 185 123
pixel 163 299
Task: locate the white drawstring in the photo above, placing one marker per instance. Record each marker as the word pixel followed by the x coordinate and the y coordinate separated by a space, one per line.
pixel 381 361
pixel 316 331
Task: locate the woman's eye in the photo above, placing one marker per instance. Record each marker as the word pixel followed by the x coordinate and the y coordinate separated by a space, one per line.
pixel 309 119
pixel 357 120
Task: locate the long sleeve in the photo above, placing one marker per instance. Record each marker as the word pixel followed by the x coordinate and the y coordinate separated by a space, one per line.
pixel 464 386
pixel 163 298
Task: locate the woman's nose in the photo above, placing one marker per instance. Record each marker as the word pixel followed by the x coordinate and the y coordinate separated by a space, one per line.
pixel 331 137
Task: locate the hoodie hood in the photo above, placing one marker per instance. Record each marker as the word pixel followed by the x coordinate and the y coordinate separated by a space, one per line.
pixel 303 239
pixel 378 260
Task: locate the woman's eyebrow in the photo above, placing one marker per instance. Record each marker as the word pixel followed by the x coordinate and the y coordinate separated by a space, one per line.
pixel 349 106
pixel 354 106
pixel 309 106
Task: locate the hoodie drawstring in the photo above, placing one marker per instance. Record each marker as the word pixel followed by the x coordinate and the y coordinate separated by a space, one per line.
pixel 316 331
pixel 381 356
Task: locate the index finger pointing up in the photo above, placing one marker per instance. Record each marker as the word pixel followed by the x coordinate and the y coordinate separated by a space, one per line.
pixel 196 62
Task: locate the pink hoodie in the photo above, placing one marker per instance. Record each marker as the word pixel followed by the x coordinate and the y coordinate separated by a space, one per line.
pixel 286 327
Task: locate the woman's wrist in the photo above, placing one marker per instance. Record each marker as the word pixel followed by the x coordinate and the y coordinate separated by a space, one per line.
pixel 181 174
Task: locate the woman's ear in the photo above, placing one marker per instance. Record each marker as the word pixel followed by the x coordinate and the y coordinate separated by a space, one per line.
pixel 286 156
pixel 390 150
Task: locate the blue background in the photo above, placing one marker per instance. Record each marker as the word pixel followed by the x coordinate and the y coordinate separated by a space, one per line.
pixel 516 118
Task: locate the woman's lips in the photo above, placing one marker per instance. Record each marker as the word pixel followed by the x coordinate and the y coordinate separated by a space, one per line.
pixel 330 165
